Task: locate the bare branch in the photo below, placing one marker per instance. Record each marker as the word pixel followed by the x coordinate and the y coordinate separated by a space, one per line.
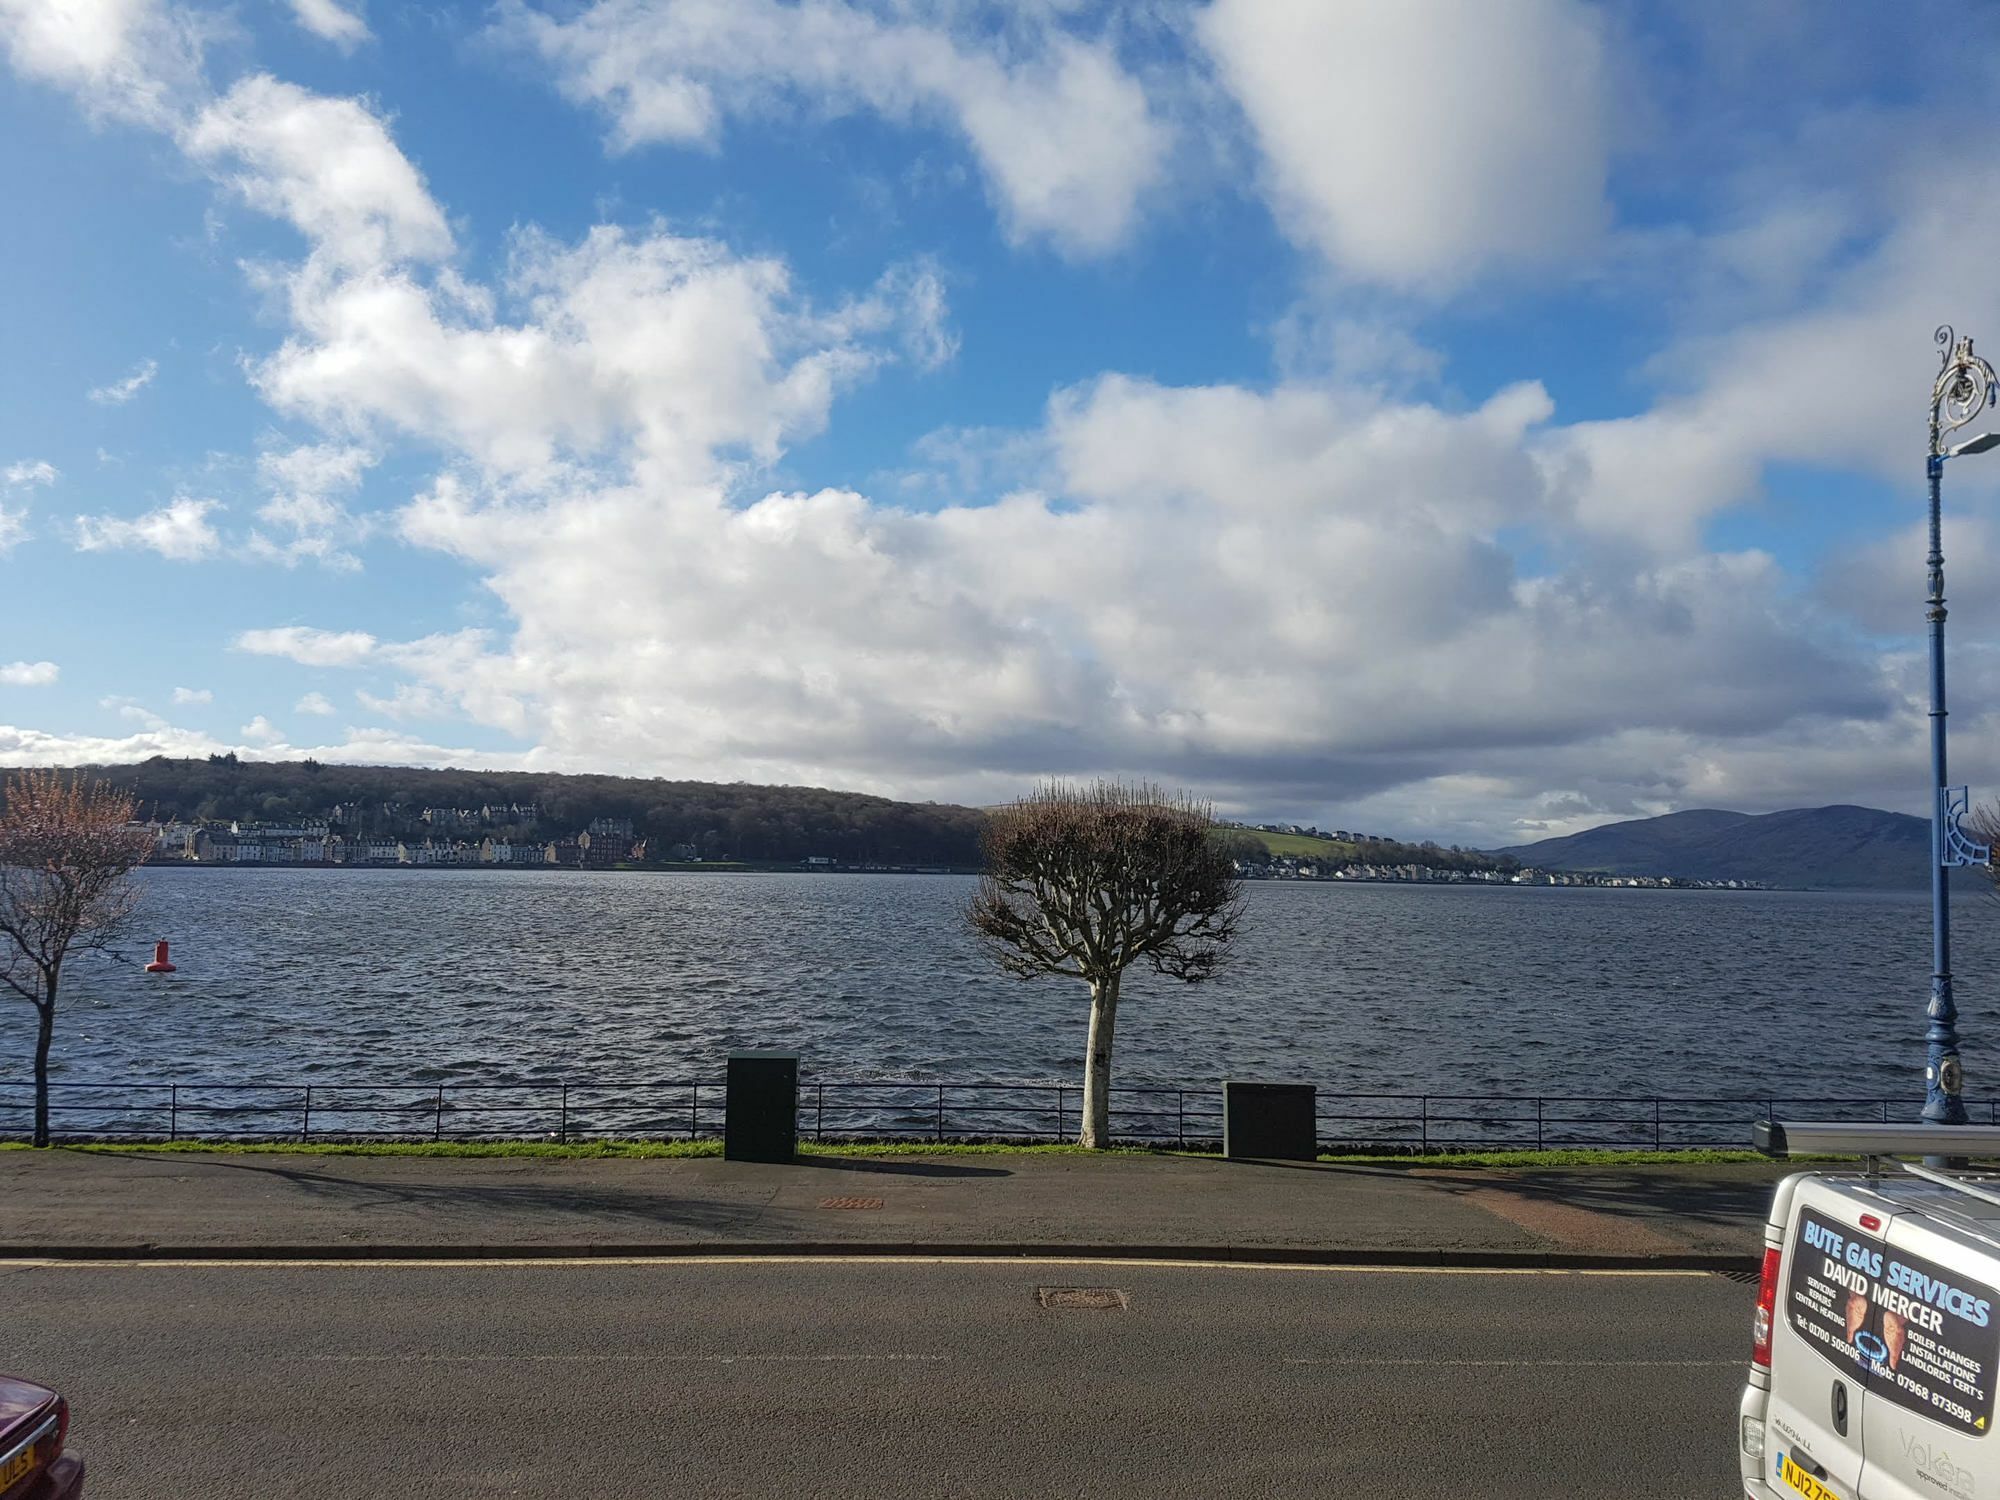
pixel 67 851
pixel 1984 825
pixel 1087 881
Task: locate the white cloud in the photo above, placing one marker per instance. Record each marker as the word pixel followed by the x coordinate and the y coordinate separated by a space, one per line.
pixel 118 392
pixel 305 509
pixel 315 468
pixel 914 296
pixel 132 60
pixel 1419 142
pixel 331 21
pixel 193 695
pixel 1306 595
pixel 179 530
pixel 328 166
pixel 1826 386
pixel 1312 344
pixel 29 673
pixel 134 710
pixel 406 702
pixel 593 438
pixel 308 646
pixel 1065 135
pixel 1292 594
pixel 665 342
pixel 22 746
pixel 26 473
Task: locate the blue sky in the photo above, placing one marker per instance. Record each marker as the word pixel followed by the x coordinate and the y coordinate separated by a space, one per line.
pixel 1468 418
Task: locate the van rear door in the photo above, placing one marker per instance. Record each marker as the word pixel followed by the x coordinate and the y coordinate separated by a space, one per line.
pixel 1822 1340
pixel 1929 1423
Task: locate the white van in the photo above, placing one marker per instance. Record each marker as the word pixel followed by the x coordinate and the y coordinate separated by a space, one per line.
pixel 1878 1321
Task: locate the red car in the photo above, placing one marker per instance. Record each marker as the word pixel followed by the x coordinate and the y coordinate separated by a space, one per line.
pixel 34 1420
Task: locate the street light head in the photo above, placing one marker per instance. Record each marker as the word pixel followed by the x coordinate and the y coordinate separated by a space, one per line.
pixel 1985 442
pixel 1966 385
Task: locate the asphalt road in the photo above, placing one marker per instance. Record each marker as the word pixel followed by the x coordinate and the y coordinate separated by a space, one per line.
pixel 854 1378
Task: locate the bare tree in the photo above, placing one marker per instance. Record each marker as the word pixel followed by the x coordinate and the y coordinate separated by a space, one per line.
pixel 1983 824
pixel 1086 881
pixel 67 850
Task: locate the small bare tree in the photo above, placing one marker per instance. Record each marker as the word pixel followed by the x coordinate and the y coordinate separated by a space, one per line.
pixel 1984 825
pixel 67 850
pixel 1086 882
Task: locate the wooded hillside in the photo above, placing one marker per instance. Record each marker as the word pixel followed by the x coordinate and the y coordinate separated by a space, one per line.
pixel 720 821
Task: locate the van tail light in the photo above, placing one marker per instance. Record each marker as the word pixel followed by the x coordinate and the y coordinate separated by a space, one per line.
pixel 1767 1309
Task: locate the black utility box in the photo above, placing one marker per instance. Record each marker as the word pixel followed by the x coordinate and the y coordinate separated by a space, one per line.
pixel 1271 1121
pixel 761 1114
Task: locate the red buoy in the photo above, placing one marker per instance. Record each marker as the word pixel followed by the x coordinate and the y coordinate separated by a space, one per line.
pixel 159 965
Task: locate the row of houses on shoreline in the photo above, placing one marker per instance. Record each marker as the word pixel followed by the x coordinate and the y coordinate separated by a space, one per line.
pixel 605 844
pixel 1283 868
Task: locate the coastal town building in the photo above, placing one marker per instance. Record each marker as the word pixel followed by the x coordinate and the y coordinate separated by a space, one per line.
pixel 354 834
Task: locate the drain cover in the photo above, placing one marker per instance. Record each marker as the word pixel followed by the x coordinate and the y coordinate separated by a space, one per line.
pixel 1081 1296
pixel 850 1203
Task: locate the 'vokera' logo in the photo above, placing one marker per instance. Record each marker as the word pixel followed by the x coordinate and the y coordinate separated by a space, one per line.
pixel 1934 1465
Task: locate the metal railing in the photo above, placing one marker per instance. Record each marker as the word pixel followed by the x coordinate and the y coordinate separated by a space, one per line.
pixel 559 1111
pixel 836 1109
pixel 1550 1122
pixel 831 1109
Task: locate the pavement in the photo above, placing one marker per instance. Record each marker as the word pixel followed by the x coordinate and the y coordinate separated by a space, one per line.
pixel 853 1377
pixel 66 1203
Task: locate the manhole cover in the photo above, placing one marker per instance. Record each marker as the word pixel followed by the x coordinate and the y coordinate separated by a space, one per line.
pixel 850 1203
pixel 1080 1296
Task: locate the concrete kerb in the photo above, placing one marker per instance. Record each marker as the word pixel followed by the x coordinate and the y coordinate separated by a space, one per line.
pixel 1716 1262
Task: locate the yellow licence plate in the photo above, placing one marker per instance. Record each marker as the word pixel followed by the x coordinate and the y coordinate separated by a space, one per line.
pixel 21 1463
pixel 1803 1482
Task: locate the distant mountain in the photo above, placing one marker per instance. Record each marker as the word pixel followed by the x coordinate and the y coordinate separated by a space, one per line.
pixel 1854 848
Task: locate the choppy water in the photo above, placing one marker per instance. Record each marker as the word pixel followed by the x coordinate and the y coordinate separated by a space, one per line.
pixel 487 976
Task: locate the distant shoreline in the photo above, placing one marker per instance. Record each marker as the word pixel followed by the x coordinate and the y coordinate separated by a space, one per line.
pixel 745 867
pixel 719 867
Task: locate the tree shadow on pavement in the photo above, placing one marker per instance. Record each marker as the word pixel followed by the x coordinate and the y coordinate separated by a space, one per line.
pixel 509 1200
pixel 1326 1168
pixel 899 1168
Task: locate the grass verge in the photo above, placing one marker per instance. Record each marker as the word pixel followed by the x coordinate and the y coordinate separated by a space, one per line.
pixel 1560 1157
pixel 645 1150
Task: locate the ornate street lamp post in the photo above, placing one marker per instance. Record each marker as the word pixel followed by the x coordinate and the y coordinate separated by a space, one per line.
pixel 1965 386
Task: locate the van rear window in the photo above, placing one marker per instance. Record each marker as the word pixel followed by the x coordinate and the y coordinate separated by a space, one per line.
pixel 1912 1331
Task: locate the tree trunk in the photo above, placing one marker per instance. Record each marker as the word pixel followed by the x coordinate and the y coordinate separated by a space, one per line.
pixel 46 1014
pixel 1096 1132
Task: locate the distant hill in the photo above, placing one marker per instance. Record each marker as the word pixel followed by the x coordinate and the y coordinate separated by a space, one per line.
pixel 733 821
pixel 1827 848
pixel 1332 854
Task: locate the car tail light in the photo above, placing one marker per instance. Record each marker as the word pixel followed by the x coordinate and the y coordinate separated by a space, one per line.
pixel 1767 1308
